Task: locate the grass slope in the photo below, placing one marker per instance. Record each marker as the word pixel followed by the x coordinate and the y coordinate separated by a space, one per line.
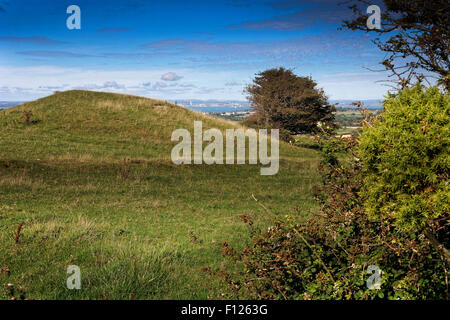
pixel 141 228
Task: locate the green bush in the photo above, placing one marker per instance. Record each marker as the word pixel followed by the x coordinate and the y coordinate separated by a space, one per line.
pixel 405 159
pixel 401 162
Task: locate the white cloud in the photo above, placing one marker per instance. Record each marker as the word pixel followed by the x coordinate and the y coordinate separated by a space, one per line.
pixel 170 76
pixel 28 83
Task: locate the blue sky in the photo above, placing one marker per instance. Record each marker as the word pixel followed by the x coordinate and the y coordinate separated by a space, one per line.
pixel 187 49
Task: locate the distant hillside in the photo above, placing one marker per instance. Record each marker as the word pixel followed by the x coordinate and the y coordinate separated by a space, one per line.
pixel 101 124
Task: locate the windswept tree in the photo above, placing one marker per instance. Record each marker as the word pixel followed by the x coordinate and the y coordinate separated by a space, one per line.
pixel 283 100
pixel 414 35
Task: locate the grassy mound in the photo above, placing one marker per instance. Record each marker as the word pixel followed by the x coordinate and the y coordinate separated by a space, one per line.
pixel 90 177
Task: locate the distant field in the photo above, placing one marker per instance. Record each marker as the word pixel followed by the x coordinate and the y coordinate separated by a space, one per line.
pixel 92 182
pixel 349 120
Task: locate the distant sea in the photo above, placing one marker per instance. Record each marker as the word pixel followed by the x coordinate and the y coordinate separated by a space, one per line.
pixel 212 109
pixel 9 104
pixel 370 104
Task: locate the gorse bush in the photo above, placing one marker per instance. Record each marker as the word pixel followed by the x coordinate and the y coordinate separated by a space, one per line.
pixel 327 256
pixel 405 159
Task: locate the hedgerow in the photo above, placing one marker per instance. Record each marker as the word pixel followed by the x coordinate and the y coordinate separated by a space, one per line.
pixel 328 255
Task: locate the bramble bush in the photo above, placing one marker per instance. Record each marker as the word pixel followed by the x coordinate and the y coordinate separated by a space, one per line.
pixel 327 255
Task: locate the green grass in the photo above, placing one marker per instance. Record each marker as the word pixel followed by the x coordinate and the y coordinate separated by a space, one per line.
pixel 142 228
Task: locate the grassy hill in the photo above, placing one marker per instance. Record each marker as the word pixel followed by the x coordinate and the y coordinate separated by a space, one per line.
pixel 90 178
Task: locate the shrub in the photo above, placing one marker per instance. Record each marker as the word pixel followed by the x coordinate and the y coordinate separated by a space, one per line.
pixel 328 255
pixel 405 160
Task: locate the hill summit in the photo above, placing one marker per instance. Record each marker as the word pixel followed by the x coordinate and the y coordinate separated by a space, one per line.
pixel 101 124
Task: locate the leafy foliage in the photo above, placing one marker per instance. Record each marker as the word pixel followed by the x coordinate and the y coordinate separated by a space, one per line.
pixel 405 156
pixel 284 100
pixel 327 255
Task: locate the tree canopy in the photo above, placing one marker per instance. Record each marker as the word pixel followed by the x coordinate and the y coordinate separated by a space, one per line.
pixel 281 99
pixel 417 43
